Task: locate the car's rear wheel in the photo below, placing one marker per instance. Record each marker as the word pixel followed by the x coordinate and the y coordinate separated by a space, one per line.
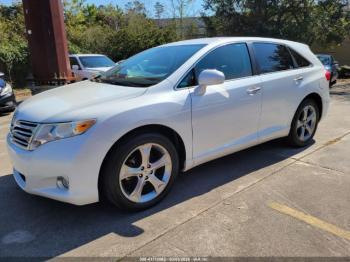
pixel 304 124
pixel 331 84
pixel 139 172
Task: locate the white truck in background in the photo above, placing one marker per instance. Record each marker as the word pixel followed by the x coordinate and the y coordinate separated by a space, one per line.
pixel 87 66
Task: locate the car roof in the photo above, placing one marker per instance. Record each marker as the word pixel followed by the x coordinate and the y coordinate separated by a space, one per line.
pixel 82 55
pixel 218 40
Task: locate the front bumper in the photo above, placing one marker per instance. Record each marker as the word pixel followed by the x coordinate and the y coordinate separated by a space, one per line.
pixel 7 103
pixel 36 172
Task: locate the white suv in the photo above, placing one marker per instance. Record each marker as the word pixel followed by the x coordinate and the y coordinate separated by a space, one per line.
pixel 88 66
pixel 126 134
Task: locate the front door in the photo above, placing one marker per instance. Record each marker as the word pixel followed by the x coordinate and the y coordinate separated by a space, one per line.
pixel 76 68
pixel 225 118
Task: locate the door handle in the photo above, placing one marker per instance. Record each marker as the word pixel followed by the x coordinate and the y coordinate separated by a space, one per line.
pixel 253 90
pixel 299 78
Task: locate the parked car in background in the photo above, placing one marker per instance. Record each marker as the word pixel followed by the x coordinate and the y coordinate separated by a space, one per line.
pixel 7 97
pixel 331 66
pixel 126 134
pixel 87 66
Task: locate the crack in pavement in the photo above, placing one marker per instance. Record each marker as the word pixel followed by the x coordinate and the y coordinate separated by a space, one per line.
pixel 328 143
pixel 320 166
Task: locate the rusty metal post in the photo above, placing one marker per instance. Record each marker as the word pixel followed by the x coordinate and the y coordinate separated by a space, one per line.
pixel 47 41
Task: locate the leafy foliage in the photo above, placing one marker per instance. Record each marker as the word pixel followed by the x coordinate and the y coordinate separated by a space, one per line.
pixel 331 23
pixel 323 22
pixel 105 29
pixel 120 33
pixel 110 30
pixel 159 10
pixel 13 44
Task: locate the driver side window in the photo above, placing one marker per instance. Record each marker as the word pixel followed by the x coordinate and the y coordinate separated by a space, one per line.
pixel 189 80
pixel 74 61
pixel 233 60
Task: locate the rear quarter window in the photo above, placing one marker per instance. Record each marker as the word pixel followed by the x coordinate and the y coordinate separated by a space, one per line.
pixel 299 59
pixel 272 57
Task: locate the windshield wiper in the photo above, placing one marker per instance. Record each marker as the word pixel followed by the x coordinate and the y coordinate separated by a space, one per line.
pixel 96 79
pixel 119 82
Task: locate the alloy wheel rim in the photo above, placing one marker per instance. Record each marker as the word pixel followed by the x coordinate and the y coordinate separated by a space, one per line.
pixel 306 123
pixel 145 173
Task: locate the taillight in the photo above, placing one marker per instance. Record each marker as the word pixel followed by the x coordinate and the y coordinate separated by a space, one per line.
pixel 328 75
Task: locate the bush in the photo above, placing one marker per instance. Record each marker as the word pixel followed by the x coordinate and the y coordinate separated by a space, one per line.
pixel 90 29
pixel 13 44
pixel 109 30
pixel 344 72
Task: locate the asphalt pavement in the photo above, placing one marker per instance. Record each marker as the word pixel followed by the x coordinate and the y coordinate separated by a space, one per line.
pixel 270 200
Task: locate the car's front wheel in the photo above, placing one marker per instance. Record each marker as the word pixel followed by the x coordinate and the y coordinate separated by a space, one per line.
pixel 140 171
pixel 304 124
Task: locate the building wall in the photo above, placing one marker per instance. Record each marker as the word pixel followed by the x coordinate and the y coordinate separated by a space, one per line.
pixel 341 53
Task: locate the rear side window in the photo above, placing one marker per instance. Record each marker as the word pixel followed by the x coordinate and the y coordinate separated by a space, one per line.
pixel 301 61
pixel 233 60
pixel 272 57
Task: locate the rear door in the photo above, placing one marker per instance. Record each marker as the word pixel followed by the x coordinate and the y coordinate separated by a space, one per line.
pixel 282 84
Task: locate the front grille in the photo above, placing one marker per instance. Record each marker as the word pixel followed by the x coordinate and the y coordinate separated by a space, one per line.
pixel 22 132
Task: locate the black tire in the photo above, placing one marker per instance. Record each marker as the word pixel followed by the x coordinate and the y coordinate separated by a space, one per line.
pixel 293 137
pixel 331 84
pixel 111 170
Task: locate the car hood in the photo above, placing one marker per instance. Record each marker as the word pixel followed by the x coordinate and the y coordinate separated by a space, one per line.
pixel 98 69
pixel 60 103
pixel 2 83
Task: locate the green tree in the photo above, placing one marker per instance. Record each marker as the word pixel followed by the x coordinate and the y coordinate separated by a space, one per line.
pixel 159 10
pixel 181 9
pixel 13 44
pixel 105 29
pixel 309 21
pixel 110 30
pixel 331 23
pixel 136 7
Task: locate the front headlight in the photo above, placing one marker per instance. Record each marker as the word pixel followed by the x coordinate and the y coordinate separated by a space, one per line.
pixel 51 132
pixel 6 90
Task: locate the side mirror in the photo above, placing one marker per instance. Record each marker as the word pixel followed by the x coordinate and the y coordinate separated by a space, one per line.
pixel 2 74
pixel 75 67
pixel 209 77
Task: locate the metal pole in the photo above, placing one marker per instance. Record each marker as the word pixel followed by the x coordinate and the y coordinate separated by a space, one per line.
pixel 47 41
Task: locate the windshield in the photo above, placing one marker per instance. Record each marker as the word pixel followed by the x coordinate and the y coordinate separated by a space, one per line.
pixel 325 59
pixel 2 83
pixel 96 61
pixel 149 67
